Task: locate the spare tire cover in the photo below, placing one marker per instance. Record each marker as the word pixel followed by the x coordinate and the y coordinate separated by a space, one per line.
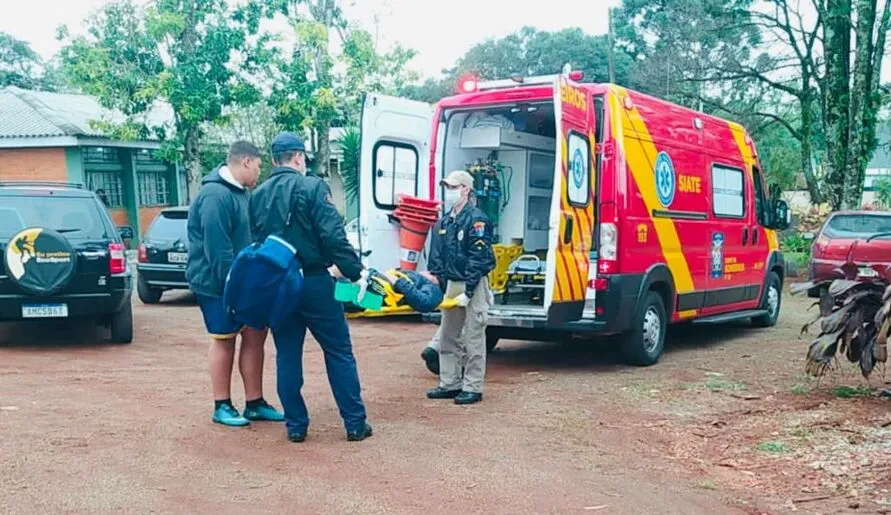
pixel 40 261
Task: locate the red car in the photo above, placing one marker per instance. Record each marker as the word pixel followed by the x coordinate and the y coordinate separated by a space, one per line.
pixel 836 239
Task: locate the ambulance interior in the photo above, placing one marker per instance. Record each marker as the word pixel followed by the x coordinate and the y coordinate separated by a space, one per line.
pixel 510 151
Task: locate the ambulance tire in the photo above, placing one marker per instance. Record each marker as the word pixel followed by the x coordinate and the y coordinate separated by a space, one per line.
pixel 492 338
pixel 771 301
pixel 644 344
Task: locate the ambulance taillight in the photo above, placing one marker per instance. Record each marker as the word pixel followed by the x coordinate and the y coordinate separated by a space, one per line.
pixel 609 239
pixel 607 258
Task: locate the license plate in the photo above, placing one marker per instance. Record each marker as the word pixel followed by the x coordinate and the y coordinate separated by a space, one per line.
pixel 45 311
pixel 177 257
pixel 868 272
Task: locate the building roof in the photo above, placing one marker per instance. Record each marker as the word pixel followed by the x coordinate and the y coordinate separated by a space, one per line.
pixel 41 114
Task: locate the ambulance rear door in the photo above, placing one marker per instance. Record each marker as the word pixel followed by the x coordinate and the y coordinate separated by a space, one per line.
pixel 395 141
pixel 571 223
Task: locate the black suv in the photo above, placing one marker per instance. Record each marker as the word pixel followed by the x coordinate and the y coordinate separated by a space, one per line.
pixel 63 258
pixel 163 255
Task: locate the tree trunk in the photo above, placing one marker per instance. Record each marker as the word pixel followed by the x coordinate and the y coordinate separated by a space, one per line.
pixel 861 110
pixel 837 97
pixel 323 154
pixel 806 132
pixel 192 160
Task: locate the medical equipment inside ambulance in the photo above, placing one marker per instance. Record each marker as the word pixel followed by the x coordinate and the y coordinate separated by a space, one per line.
pixel 510 154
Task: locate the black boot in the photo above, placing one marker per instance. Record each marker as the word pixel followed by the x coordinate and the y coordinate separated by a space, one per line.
pixel 468 398
pixel 442 393
pixel 358 436
pixel 431 359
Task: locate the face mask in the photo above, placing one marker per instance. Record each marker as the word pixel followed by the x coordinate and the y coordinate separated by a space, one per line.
pixel 452 197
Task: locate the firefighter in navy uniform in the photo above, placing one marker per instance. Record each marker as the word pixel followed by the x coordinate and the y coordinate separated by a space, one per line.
pixel 461 253
pixel 317 232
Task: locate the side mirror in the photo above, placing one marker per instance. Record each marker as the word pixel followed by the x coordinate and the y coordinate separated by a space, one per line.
pixel 125 232
pixel 782 217
pixel 809 236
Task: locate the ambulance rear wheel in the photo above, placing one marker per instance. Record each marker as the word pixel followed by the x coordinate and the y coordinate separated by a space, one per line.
pixel 644 344
pixel 492 338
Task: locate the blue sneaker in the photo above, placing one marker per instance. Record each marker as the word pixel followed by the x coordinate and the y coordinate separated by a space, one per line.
pixel 263 412
pixel 228 416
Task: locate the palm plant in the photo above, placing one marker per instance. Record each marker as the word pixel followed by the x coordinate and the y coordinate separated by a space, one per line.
pixel 854 319
pixel 350 143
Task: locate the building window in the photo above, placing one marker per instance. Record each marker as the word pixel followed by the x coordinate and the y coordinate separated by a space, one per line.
pixel 101 155
pixel 108 186
pixel 102 173
pixel 152 180
pixel 333 167
pixel 395 167
pixel 728 194
pixel 152 188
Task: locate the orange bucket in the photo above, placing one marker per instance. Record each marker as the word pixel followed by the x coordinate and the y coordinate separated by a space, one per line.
pixel 412 236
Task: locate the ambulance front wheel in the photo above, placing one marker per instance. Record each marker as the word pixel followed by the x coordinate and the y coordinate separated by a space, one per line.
pixel 644 344
pixel 771 302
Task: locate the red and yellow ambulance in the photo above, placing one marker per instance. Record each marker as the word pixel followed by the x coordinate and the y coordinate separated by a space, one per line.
pixel 621 213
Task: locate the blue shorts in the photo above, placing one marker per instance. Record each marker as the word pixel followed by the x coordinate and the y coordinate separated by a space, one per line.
pixel 217 319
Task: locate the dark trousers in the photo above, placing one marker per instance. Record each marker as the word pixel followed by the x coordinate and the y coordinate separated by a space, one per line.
pixel 324 317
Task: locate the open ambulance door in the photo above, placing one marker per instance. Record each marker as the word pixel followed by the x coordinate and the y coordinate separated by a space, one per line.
pixel 570 233
pixel 395 141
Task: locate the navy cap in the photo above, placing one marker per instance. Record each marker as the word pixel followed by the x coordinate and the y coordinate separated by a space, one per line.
pixel 287 142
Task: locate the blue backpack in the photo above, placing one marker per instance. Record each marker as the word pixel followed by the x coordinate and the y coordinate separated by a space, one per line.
pixel 265 284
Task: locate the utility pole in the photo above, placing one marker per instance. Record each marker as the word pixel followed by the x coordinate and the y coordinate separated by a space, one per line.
pixel 612 49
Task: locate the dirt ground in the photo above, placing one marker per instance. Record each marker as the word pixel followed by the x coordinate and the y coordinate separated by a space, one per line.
pixel 725 423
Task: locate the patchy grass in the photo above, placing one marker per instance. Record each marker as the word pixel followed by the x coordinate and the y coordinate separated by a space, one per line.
pixel 716 383
pixel 800 389
pixel 847 392
pixel 804 433
pixel 774 447
pixel 707 485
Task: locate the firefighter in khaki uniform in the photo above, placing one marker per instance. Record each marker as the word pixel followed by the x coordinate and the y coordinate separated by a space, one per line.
pixel 461 253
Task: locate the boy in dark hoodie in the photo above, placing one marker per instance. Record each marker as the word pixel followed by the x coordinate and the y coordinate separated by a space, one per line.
pixel 219 228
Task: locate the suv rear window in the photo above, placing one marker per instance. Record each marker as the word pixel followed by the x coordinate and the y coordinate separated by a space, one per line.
pixel 857 225
pixel 169 226
pixel 76 217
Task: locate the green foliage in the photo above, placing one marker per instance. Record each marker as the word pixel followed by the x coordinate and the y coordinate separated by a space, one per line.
pixel 21 66
pixel 882 187
pixel 795 243
pixel 349 168
pixel 800 389
pixel 181 52
pixel 848 392
pixel 774 447
pixel 530 52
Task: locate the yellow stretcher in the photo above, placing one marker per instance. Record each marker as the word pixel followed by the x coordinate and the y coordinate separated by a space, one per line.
pixel 504 256
pixel 391 303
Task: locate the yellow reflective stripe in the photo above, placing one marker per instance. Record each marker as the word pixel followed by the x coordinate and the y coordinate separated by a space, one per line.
pixel 640 156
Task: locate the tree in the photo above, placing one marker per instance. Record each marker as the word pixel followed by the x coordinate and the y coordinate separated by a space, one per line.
pixel 744 58
pixel 195 55
pixel 851 96
pixel 529 52
pixel 21 66
pixel 314 87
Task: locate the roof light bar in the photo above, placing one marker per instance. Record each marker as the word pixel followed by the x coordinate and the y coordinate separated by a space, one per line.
pixel 512 83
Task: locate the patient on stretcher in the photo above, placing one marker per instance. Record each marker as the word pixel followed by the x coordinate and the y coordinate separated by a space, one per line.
pixel 420 290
